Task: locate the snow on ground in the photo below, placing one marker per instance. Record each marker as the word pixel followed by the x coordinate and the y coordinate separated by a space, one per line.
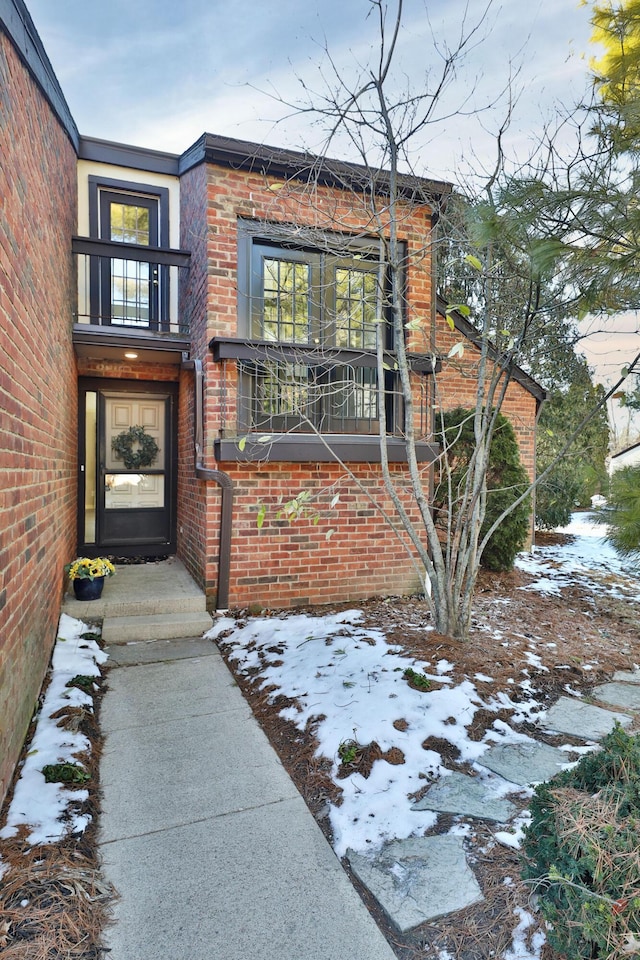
pixel 42 806
pixel 350 683
pixel 588 556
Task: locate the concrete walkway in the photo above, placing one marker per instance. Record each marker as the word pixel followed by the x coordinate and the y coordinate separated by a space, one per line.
pixel 209 844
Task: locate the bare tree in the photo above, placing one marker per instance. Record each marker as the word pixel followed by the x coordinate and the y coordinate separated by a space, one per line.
pixel 520 279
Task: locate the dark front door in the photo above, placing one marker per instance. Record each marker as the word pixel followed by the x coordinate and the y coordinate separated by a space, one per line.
pixel 127 471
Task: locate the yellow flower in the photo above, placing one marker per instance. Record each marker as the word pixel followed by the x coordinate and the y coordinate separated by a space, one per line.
pixel 88 568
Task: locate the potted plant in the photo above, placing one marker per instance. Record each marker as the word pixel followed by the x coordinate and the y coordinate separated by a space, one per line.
pixel 87 574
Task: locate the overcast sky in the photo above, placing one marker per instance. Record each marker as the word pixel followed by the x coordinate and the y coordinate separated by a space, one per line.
pixel 159 73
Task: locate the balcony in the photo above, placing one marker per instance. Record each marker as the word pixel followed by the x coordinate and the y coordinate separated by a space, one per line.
pixel 128 301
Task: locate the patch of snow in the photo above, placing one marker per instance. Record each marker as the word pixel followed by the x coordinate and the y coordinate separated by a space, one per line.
pixel 518 949
pixel 443 666
pixel 513 838
pixel 42 806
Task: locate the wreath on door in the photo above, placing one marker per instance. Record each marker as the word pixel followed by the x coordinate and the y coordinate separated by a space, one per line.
pixel 145 452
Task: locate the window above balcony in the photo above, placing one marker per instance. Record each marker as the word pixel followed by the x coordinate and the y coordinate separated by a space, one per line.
pixel 128 275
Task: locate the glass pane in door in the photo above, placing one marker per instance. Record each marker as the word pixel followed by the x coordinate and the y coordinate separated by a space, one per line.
pixel 130 279
pixel 126 491
pixel 90 465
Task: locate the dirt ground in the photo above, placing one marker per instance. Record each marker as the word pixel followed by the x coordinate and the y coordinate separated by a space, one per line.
pixel 53 902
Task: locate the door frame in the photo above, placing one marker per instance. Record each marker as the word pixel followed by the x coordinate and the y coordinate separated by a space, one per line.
pixel 102 286
pixel 127 387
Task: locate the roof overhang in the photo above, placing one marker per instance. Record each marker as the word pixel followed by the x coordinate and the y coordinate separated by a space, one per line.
pixel 110 343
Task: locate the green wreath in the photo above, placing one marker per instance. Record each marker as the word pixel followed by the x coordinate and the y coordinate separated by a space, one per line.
pixel 147 451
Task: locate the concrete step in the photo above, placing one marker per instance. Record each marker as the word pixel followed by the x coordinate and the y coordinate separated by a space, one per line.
pixel 155 626
pixel 141 606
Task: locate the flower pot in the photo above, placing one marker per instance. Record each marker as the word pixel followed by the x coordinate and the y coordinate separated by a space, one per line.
pixel 86 589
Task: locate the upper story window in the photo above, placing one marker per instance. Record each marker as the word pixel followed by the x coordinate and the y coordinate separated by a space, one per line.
pixel 327 307
pixel 309 297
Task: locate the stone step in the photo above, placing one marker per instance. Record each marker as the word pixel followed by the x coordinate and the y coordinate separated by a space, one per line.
pixel 155 626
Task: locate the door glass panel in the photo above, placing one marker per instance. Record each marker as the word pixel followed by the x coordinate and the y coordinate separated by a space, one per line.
pixel 90 462
pixel 129 223
pixel 130 279
pixel 126 491
pixel 131 287
pixel 130 291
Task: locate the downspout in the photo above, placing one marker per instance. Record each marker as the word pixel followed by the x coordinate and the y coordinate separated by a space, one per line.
pixel 223 480
pixel 534 492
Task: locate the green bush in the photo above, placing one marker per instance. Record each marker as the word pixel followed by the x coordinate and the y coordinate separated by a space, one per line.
pixel 622 513
pixel 582 852
pixel 557 497
pixel 507 479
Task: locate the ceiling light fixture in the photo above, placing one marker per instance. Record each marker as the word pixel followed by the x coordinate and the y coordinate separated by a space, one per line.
pixel 130 355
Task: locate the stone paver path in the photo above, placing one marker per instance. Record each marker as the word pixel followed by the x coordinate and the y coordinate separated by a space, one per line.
pixel 526 762
pixel 579 719
pixel 418 879
pixel 422 878
pixel 470 796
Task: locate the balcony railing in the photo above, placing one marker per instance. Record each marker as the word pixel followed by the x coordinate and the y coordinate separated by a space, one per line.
pixel 131 286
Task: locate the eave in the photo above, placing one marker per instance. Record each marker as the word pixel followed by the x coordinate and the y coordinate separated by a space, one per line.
pixel 95 342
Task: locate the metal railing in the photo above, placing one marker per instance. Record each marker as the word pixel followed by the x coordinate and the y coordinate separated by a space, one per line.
pixel 129 285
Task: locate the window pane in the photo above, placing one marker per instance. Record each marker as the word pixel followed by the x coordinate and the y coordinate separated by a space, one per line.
pixel 355 293
pixel 129 223
pixel 286 300
pixel 353 394
pixel 130 292
pixel 282 390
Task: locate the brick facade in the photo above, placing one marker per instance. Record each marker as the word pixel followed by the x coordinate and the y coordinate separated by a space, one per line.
pixel 342 553
pixel 335 552
pixel 37 391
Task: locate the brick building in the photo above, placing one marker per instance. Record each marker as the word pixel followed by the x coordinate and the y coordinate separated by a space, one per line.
pixel 187 341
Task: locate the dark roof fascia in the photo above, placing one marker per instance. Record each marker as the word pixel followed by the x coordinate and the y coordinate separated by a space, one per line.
pixel 16 23
pixel 125 155
pixel 291 164
pixel 621 453
pixel 468 330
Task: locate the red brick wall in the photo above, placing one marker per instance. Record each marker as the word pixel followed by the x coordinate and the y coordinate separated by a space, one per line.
pixel 282 564
pixel 198 500
pixel 457 386
pixel 37 392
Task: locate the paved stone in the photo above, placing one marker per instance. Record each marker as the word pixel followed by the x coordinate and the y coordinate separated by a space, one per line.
pixel 458 793
pixel 418 879
pixel 627 676
pixel 525 762
pixel 625 695
pixel 580 719
pixel 211 847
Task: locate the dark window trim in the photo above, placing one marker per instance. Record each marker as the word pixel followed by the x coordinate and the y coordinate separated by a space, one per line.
pixel 298 241
pixel 239 348
pixel 301 448
pixel 100 188
pixel 324 251
pixel 96 184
